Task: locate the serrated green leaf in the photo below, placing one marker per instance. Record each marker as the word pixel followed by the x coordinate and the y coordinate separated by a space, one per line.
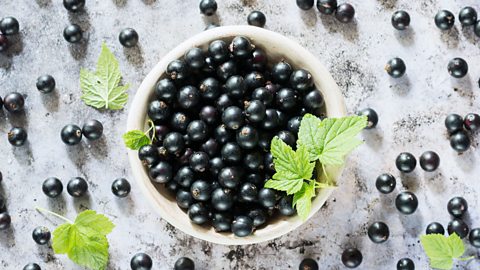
pixel 97 222
pixel 441 250
pixel 445 264
pixel 302 200
pixel 456 245
pixel 289 164
pixel 289 186
pixel 61 238
pixel 309 134
pixel 134 139
pixel 101 88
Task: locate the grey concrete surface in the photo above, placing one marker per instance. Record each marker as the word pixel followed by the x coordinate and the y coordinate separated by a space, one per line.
pixel 411 109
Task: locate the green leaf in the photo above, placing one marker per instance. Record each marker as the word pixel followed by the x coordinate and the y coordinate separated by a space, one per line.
pixel 338 138
pixel 290 165
pixel 85 240
pixel 101 88
pixel 134 139
pixel 441 250
pixel 302 200
pixel 289 186
pixel 309 134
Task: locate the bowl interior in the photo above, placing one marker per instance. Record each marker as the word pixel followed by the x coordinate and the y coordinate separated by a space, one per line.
pixel 277 47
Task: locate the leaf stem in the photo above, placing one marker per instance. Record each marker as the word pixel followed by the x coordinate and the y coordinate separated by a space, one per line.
pixel 324 169
pixel 152 127
pixel 466 258
pixel 39 209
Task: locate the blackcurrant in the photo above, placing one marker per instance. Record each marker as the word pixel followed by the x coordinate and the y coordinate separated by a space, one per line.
pixel 255 111
pixel 301 80
pixel 235 87
pixel 406 162
pixel 264 140
pixel 184 263
pixel 92 130
pixel 287 137
pixel 434 228
pixel 271 120
pixel 148 154
pixel 400 20
pixel 177 70
pixel 256 18
pixel 248 192
pixel 254 80
pixel 327 6
pixel 218 50
pixel 444 19
pixel 293 124
pixel 5 221
pixel 467 16
pixel 308 264
pixel 141 261
pixel 199 161
pixel 195 58
pixel 476 28
pixel 226 70
pixel 32 266
pixel 259 216
pixel 209 115
pixel 198 213
pixel 14 102
pixel 222 135
pixel 121 187
pixel 165 90
pixel 385 183
pixel 179 121
pixel 352 257
pixel 45 83
pixel 286 99
pixel 215 165
pixel 253 161
pixel 472 122
pixel 345 13
pixel 184 199
pixel 457 206
pixel 201 190
pixel 128 37
pixel 17 136
pixel 459 227
pixel 208 7
pixel 41 235
pixel 395 67
pixel 174 143
pixel 73 33
pixel 77 187
pixel 188 97
pixel 161 172
pixel 247 137
pixel 230 177
pixel 281 72
pixel 453 123
pixel 460 141
pixel 222 222
pixel 74 5
pixel 285 206
pixel 474 237
pixel 406 202
pixel 9 26
pixel 71 134
pixel 305 4
pixel 378 232
pixel 268 163
pixel 52 187
pixel 242 226
pixel 185 176
pixel 264 95
pixel 210 147
pixel 240 47
pixel 405 264
pixel 259 60
pixel 233 117
pixel 197 130
pixel 313 101
pixel 457 67
pixel 222 199
pixel 429 161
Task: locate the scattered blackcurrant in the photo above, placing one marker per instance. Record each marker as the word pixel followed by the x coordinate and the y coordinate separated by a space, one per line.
pixel 457 206
pixel 406 162
pixel 41 235
pixel 395 67
pixel 457 67
pixel 400 20
pixel 74 5
pixel 429 161
pixel 14 102
pixel 308 264
pixel 71 134
pixel 459 227
pixel 92 130
pixel 128 37
pixel 17 136
pixel 444 19
pixel 52 187
pixel 141 261
pixel 208 7
pixel 385 183
pixel 372 117
pixel 184 263
pixel 77 187
pixel 73 33
pixel 435 228
pixel 467 16
pixel 406 202
pixel 256 18
pixel 352 257
pixel 121 187
pixel 378 232
pixel 345 13
pixel 327 6
pixel 460 141
pixel 405 264
pixel 472 122
pixel 45 83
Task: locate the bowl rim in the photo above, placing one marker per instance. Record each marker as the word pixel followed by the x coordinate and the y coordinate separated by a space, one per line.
pixel 335 106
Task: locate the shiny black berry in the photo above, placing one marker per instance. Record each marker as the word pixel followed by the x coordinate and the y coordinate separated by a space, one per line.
pixel 256 18
pixel 254 80
pixel 301 80
pixel 177 70
pixel 222 135
pixel 293 124
pixel 230 177
pixel 327 6
pixel 222 222
pixel 457 206
pixel 474 237
pixel 17 136
pixel 308 264
pixel 242 226
pixel 197 131
pixel 201 190
pixel 218 50
pixel 305 4
pixel 233 117
pixel 259 216
pixel 14 102
pixel 71 134
pixel 148 154
pixel 184 263
pixel 198 213
pixel 255 111
pixel 32 266
pixel 235 87
pixel 222 199
pixel 45 84
pixel 199 161
pixel 232 153
pixel 406 162
pixel 179 121
pixel 460 141
pixel 210 89
pixel 395 67
pixel 372 117
pixel 467 16
pixel 74 5
pixel 195 58
pixel 378 232
pixel 121 187
pixel 459 227
pixel 174 143
pixel 429 161
pixel 345 13
pixel 141 261
pixel 5 221
pixel 77 187
pixel 271 120
pixel 188 97
pixel 267 197
pixel 247 137
pixel 406 202
pixel 52 187
pixel 263 95
pixel 161 172
pixel 287 137
pixel 457 67
pixel 435 228
pixel 385 183
pixel 285 206
pixel 92 130
pixel 454 123
pixel 472 122
pixel 184 176
pixel 400 20
pixel 41 235
pixel 287 99
pixel 241 47
pixel 248 192
pixel 281 72
pixel 352 258
pixel 208 7
pixel 405 264
pixel 313 101
pixel 444 19
pixel 128 37
pixel 73 33
pixel 226 70
pixel 9 26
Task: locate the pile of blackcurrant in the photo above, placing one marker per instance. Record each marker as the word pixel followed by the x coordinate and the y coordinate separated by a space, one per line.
pixel 343 13
pixel 72 134
pixel 215 113
pixel 8 26
pixel 467 16
pixel 457 127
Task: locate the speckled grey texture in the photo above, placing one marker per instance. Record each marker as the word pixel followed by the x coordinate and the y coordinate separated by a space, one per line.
pixel 411 112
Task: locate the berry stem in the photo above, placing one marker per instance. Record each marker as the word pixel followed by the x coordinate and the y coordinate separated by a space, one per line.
pixel 152 127
pixel 39 209
pixel 466 258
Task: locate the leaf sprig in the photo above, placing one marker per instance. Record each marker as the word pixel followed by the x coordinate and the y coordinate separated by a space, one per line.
pixel 442 250
pixel 135 139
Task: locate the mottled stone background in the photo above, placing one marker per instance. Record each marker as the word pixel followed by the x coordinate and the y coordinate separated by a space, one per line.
pixel 411 109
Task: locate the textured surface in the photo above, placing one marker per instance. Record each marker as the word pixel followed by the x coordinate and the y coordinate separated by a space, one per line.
pixel 411 112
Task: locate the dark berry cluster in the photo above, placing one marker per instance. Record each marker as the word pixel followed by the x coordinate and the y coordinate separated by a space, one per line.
pixel 15 103
pixel 406 162
pixel 343 13
pixel 72 134
pixel 467 16
pixel 8 26
pixel 215 113
pixel 142 261
pixel 76 187
pixel 73 33
pixel 456 126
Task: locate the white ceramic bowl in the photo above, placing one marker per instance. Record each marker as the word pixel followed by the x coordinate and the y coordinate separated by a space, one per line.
pixel 277 47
